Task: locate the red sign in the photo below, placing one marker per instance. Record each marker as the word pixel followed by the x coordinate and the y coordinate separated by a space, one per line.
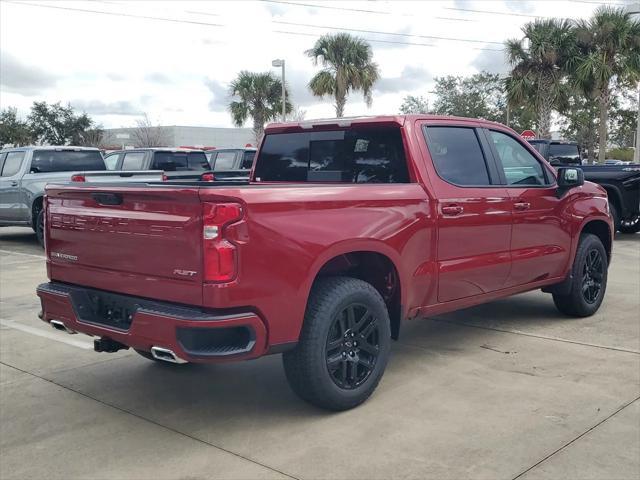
pixel 528 134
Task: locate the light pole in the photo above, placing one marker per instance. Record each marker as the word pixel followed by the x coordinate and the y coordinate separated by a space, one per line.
pixel 279 62
pixel 636 153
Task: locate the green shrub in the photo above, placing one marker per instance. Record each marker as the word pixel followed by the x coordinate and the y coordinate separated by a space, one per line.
pixel 625 154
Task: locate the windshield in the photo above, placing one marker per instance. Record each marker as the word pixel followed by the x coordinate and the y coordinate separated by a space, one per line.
pixel 371 155
pixel 66 161
pixel 179 161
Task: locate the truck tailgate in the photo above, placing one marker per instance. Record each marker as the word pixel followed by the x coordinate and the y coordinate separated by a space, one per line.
pixel 134 240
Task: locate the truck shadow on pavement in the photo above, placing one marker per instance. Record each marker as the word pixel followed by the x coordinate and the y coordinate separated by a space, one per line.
pixel 194 396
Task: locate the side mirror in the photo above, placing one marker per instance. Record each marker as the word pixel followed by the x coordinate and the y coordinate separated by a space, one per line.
pixel 569 177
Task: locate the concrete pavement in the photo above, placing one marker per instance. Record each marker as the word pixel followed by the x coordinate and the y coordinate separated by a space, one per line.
pixel 506 390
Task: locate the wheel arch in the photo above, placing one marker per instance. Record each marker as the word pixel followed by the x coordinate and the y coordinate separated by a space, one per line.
pixel 601 229
pixel 373 262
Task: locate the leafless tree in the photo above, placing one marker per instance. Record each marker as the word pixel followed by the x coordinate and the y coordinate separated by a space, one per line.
pixel 145 134
pixel 93 137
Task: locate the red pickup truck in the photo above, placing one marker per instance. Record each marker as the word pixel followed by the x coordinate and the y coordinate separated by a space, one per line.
pixel 347 229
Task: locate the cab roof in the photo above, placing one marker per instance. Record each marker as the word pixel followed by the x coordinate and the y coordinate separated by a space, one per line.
pixel 346 122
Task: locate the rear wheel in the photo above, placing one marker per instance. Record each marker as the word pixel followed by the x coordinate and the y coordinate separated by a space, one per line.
pixel 343 347
pixel 631 225
pixel 589 279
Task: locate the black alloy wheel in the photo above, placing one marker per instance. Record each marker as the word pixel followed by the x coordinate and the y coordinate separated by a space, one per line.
pixel 592 275
pixel 352 346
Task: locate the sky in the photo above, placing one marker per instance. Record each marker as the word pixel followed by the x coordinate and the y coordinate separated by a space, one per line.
pixel 117 60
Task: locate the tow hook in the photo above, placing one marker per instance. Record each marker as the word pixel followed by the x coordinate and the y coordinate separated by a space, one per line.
pixel 108 345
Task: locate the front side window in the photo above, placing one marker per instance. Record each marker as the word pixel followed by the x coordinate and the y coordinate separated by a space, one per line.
pixel 224 161
pixel 359 155
pixel 66 161
pixel 520 167
pixel 457 155
pixel 12 163
pixel 133 161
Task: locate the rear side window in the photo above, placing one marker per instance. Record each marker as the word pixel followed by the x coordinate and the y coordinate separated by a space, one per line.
pixel 66 161
pixel 366 155
pixel 520 167
pixel 224 161
pixel 457 155
pixel 133 161
pixel 12 163
pixel 247 159
pixel 180 161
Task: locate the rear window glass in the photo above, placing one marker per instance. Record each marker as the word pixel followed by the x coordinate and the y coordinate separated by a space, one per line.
pixel 371 155
pixel 66 161
pixel 569 153
pixel 180 161
pixel 133 161
pixel 224 161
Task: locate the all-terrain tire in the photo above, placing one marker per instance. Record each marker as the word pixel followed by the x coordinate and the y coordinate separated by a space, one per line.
pixel 582 300
pixel 334 303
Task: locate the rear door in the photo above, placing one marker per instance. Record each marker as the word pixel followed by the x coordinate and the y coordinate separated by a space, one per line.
pixel 540 240
pixel 473 212
pixel 12 205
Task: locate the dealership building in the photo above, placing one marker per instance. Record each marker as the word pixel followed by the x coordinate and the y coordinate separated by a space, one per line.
pixel 183 136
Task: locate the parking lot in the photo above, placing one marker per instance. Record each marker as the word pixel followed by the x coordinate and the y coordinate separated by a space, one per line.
pixel 505 390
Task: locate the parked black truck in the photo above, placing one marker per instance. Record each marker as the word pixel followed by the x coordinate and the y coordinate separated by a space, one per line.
pixel 622 182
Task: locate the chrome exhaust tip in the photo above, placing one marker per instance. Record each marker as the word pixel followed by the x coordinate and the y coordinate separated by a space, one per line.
pixel 165 355
pixel 58 325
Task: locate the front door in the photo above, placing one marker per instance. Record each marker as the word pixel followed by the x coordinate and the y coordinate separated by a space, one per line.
pixel 540 240
pixel 473 212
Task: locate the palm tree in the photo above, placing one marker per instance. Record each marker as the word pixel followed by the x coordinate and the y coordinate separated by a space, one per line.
pixel 608 54
pixel 347 66
pixel 538 68
pixel 259 96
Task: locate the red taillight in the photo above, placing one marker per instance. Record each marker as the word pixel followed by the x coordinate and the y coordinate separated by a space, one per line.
pixel 164 177
pixel 78 178
pixel 208 177
pixel 219 254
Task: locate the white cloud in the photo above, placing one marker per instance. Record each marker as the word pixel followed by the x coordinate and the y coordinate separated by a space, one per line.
pixel 115 66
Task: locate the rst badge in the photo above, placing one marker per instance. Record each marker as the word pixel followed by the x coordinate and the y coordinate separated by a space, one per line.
pixel 185 273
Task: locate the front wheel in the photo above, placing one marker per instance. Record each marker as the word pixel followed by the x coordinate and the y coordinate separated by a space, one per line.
pixel 343 347
pixel 589 279
pixel 630 225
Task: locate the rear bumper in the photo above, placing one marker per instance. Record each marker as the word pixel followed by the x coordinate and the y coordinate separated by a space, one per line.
pixel 193 335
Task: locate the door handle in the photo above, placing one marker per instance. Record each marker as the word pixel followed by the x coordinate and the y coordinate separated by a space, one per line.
pixel 14 183
pixel 520 206
pixel 452 210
